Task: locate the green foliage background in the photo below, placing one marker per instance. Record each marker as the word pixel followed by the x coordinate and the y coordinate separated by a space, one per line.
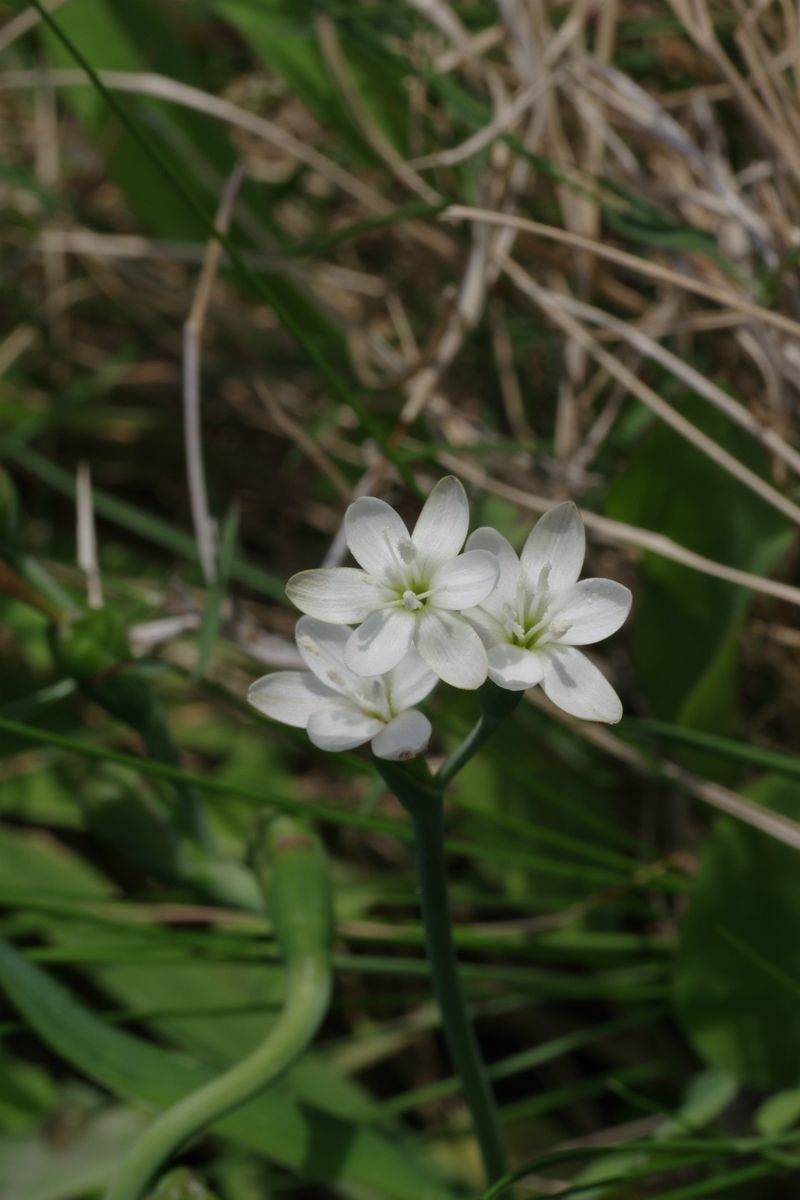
pixel 630 954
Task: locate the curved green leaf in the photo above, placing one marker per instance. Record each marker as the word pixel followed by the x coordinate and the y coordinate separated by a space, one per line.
pixel 317 1144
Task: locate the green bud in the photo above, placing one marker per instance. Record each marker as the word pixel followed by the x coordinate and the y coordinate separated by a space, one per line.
pixel 298 890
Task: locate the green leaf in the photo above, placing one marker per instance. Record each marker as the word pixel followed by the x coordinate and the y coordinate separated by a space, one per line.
pixel 97 29
pixel 779 1113
pixel 687 626
pixel 707 1095
pixel 318 1144
pixel 737 973
pixel 27 1094
pixel 282 34
pixel 36 863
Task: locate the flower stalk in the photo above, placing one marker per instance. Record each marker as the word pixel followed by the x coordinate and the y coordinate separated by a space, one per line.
pixel 300 904
pixel 427 605
pixel 422 796
pixel 496 705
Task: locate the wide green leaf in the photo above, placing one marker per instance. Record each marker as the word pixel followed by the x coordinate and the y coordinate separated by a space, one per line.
pixel 737 974
pixel 318 1144
pixel 686 626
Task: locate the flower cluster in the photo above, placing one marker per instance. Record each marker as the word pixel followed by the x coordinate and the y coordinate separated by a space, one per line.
pixel 426 607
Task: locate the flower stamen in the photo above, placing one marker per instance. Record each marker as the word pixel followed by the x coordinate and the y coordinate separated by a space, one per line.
pixel 514 629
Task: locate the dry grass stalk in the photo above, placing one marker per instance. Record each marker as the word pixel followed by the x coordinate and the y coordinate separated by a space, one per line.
pixel 775 825
pixel 620 533
pixel 24 21
pixel 640 266
pixel 558 309
pixel 86 536
pixel 204 526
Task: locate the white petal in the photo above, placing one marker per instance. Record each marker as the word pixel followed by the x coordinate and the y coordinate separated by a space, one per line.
pixel 505 593
pixel 410 681
pixel 380 642
pixel 374 533
pixel 341 726
pixel 322 647
pixel 576 685
pixel 289 696
pixel 464 581
pixel 443 523
pixel 451 648
pixel 404 737
pixel 592 610
pixel 486 625
pixel 514 668
pixel 336 593
pixel 557 541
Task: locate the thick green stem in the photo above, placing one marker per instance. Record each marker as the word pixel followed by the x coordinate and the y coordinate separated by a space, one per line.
pixel 427 814
pixel 429 836
pixel 307 994
pixel 421 794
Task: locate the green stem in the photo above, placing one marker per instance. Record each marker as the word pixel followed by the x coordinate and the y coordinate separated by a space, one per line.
pixel 483 729
pixel 496 705
pixel 307 994
pixel 428 819
pixel 421 795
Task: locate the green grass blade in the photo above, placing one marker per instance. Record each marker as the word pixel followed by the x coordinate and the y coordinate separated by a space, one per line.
pixel 216 595
pixel 754 756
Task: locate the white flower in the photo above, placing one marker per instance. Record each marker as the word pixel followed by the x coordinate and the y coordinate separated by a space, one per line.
pixel 409 590
pixel 539 613
pixel 340 710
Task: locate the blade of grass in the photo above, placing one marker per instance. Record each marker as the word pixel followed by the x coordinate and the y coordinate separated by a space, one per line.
pixel 754 756
pixel 216 593
pixel 514 1064
pixel 539 864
